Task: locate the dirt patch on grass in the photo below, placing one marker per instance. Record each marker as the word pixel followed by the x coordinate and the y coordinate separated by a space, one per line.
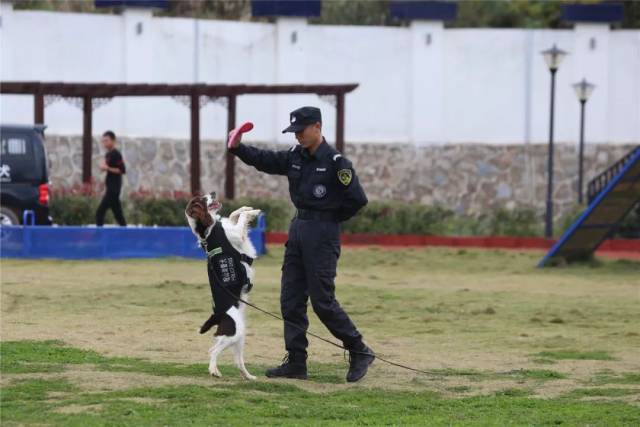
pixel 78 409
pixel 145 400
pixel 86 378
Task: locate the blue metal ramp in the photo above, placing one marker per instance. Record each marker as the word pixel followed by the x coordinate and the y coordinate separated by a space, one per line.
pixel 618 192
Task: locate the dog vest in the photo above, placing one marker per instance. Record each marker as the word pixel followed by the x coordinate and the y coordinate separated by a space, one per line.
pixel 225 270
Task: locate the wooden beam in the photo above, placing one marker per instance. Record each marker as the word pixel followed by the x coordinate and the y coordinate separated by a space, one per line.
pixel 87 146
pixel 229 183
pixel 340 122
pixel 109 90
pixel 38 109
pixel 195 143
pixel 88 91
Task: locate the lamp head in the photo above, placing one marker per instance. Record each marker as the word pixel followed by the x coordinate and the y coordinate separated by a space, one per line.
pixel 583 90
pixel 553 57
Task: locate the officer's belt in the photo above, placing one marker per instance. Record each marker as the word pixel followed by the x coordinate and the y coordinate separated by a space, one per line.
pixel 317 215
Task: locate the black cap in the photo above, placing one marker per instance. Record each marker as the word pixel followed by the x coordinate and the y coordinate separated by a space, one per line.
pixel 303 117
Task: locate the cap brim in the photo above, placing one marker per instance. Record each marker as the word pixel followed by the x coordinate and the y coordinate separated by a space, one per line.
pixel 295 128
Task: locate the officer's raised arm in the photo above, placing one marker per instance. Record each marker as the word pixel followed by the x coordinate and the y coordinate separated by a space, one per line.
pixel 353 197
pixel 272 162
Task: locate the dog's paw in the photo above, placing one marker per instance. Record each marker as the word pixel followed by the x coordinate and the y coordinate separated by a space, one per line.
pixel 249 377
pixel 214 372
pixel 240 211
pixel 253 213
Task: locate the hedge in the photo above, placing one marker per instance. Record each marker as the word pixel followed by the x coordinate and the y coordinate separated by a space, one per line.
pixel 376 218
pixel 80 210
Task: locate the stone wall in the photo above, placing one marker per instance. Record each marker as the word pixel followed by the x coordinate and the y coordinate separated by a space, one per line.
pixel 469 178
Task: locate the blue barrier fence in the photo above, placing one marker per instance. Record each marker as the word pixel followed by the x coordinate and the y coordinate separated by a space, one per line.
pixel 66 242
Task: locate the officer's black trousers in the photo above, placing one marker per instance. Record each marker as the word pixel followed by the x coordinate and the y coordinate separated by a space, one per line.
pixel 308 272
pixel 111 200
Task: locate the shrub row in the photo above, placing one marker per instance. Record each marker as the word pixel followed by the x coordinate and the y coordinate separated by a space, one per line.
pixel 80 210
pixel 377 217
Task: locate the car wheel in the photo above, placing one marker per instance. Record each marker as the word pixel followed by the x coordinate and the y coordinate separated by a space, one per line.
pixel 8 216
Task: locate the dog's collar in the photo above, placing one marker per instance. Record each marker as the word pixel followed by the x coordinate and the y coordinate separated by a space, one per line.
pixel 207 233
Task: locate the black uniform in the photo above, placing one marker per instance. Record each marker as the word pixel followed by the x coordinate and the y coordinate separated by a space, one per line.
pixel 113 183
pixel 325 190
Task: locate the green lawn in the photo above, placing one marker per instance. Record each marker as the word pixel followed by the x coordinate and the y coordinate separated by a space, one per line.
pixel 115 343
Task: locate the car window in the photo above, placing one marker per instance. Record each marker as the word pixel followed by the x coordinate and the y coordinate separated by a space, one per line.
pixel 17 160
pixel 14 146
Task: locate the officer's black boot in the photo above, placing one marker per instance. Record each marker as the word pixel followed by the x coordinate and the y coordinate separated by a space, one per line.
pixel 294 365
pixel 360 357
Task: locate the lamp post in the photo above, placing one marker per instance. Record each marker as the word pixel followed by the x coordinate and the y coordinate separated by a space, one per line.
pixel 583 92
pixel 553 57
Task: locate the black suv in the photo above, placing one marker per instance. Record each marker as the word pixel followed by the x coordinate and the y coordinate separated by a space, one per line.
pixel 24 181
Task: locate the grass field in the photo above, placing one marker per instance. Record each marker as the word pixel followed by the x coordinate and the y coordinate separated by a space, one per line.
pixel 115 343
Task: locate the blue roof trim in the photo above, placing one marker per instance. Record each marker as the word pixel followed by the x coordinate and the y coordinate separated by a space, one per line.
pixel 428 10
pixel 603 12
pixel 160 4
pixel 301 8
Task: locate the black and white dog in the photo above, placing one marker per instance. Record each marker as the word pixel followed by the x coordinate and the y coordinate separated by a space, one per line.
pixel 229 256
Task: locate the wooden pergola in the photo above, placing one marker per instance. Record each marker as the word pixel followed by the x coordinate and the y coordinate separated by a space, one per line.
pixel 192 93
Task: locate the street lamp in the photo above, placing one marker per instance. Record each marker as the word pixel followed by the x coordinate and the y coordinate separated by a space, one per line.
pixel 583 92
pixel 553 57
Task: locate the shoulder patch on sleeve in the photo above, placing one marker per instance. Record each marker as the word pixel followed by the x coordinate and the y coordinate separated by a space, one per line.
pixel 345 176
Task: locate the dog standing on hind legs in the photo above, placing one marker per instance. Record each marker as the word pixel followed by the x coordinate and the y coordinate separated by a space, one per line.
pixel 230 254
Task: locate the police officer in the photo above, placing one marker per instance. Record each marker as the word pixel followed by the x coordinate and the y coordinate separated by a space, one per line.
pixel 325 191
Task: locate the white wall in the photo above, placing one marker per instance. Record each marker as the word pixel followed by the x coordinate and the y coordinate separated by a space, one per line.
pixel 423 84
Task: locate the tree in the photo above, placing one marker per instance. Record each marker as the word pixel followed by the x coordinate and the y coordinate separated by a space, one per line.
pixel 355 12
pixel 471 14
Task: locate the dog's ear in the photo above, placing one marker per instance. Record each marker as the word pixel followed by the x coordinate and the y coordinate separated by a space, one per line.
pixel 193 206
pixel 206 220
pixel 197 209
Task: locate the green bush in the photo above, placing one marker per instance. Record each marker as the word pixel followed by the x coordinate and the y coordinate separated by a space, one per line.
pixel 514 222
pixel 80 209
pixel 376 218
pixel 155 211
pixel 73 209
pixel 399 218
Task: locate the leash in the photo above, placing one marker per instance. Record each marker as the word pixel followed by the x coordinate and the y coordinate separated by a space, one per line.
pixel 376 356
pixel 300 328
pixel 306 331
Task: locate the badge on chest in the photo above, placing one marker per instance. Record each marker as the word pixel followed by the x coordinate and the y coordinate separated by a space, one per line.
pixel 319 191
